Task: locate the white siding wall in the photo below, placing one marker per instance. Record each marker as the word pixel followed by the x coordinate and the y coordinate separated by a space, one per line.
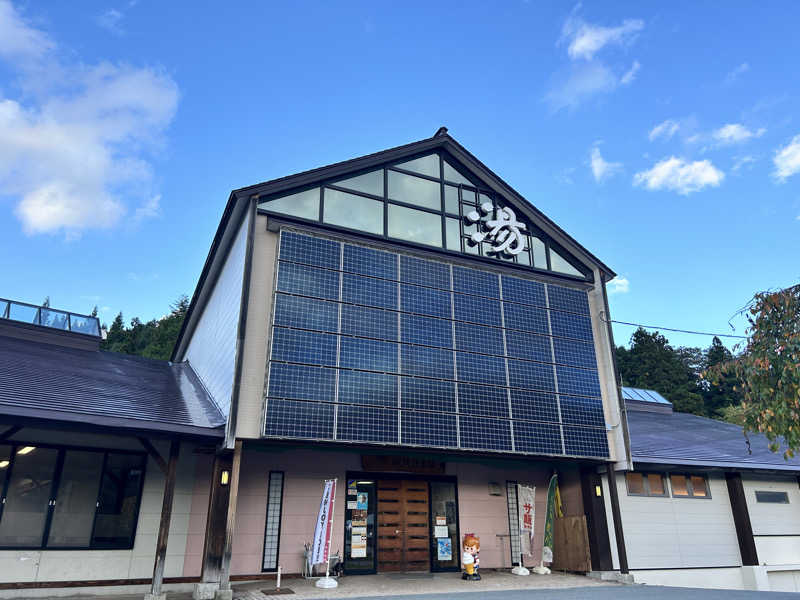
pixel 776 527
pixel 212 348
pixel 670 533
pixel 81 565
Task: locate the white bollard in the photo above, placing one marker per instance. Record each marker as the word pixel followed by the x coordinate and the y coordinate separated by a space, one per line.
pixel 278 585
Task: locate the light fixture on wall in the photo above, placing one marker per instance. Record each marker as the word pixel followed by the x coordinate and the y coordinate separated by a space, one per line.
pixel 3 464
pixel 224 477
pixel 598 491
pixel 26 450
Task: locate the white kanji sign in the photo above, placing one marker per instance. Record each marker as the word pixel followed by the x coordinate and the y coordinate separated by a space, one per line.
pixel 505 232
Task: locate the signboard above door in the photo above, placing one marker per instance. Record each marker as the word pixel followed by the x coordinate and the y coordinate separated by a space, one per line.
pixel 404 464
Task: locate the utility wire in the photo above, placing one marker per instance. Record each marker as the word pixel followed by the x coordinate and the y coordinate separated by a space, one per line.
pixel 725 335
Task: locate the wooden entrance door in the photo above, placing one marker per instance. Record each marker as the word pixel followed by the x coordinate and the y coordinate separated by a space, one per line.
pixel 403 526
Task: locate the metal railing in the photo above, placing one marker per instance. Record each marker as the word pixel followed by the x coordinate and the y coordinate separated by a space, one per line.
pixel 44 316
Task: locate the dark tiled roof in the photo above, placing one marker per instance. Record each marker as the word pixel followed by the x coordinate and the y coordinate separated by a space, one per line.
pixel 684 439
pixel 105 388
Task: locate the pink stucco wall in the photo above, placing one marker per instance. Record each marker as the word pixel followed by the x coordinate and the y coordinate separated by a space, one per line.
pixel 305 471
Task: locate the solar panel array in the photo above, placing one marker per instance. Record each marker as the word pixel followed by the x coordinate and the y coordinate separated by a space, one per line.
pixel 380 347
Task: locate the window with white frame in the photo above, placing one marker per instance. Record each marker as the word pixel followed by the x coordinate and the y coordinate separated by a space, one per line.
pixel 272 529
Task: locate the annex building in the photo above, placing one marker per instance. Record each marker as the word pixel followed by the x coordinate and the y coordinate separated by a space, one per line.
pixel 404 322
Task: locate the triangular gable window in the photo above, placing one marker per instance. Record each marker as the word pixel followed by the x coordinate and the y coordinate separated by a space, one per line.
pixel 369 183
pixel 425 165
pixel 412 202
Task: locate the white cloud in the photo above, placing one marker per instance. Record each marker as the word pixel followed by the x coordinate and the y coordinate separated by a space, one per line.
pixel 602 169
pixel 110 21
pixel 585 39
pixel 735 133
pixel 582 82
pixel 148 210
pixel 17 39
pixel 678 175
pixel 734 75
pixel 74 144
pixel 741 162
pixel 618 285
pixel 665 130
pixel 787 160
pixel 630 75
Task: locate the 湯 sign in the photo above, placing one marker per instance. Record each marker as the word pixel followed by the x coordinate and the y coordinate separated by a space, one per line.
pixel 504 231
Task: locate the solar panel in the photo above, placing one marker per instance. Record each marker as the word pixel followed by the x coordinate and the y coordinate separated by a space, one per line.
pixel 401 350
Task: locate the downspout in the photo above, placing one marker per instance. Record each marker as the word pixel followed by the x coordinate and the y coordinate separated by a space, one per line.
pixel 230 430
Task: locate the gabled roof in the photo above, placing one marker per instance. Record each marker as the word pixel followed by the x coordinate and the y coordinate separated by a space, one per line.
pixel 659 438
pixel 440 140
pixel 44 381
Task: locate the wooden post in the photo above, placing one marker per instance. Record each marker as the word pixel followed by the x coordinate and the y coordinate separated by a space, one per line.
pixel 214 545
pixel 595 510
pixel 741 519
pixel 166 517
pixel 225 571
pixel 615 513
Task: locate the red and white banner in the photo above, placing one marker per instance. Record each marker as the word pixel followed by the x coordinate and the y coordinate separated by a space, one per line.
pixel 526 500
pixel 322 532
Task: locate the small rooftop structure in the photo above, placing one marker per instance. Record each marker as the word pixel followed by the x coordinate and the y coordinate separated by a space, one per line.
pixel 50 325
pixel 646 400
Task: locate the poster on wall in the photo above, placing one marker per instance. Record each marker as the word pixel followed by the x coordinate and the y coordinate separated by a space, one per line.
pixel 444 549
pixel 352 487
pixel 441 531
pixel 352 505
pixel 362 500
pixel 526 500
pixel 358 542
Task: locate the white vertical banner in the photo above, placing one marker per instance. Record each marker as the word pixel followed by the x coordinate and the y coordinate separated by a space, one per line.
pixel 322 532
pixel 526 497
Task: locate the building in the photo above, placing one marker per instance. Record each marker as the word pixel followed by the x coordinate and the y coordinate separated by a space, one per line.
pixel 703 506
pixel 407 323
pixel 91 444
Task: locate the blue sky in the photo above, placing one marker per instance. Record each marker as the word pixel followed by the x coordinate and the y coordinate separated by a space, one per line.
pixel 664 137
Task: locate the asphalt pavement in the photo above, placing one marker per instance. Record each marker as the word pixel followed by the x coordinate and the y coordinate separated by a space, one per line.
pixel 648 592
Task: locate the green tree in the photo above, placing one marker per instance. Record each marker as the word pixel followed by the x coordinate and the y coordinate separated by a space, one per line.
pixel 154 339
pixel 718 397
pixel 768 371
pixel 652 363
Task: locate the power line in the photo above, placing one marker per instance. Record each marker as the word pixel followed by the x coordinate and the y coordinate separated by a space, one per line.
pixel 725 335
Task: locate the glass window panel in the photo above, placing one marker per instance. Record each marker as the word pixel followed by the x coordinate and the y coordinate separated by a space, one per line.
pixel 87 325
pixel 370 183
pixel 364 559
pixel 468 196
pixel 369 291
pixel 699 486
pixel 118 507
pixel 655 481
pixel 538 250
pixel 470 247
pixel 635 483
pixel 453 234
pixel 304 204
pixel 524 257
pixel 679 487
pixel 355 212
pixel 415 190
pixel 73 515
pixel 22 313
pixel 443 504
pixel 28 496
pixel 559 264
pixel 54 318
pixel 5 462
pixel 772 497
pixel 427 165
pixel 482 198
pixel 451 199
pixel 273 522
pixel 450 174
pixel 415 226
